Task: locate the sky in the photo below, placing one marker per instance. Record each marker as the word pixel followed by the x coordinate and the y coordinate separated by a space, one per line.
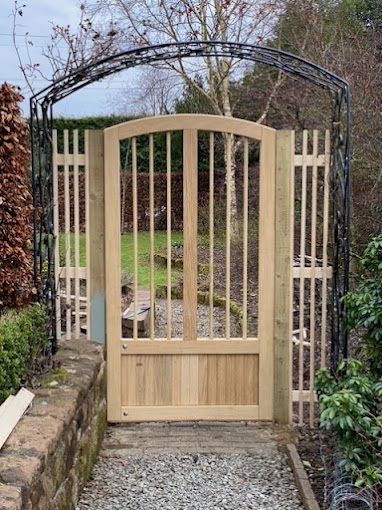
pixel 37 19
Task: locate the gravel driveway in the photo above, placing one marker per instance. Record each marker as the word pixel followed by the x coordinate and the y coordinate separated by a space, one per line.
pixel 190 466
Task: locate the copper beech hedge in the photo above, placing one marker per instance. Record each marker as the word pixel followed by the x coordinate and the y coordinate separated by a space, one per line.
pixel 16 226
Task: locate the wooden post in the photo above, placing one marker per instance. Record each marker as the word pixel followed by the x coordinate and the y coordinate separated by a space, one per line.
pixel 113 271
pixel 95 236
pixel 267 197
pixel 283 278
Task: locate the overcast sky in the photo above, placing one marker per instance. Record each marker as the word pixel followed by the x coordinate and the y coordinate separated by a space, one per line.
pixel 98 99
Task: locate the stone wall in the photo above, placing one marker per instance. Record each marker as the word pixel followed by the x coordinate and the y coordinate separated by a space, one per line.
pixel 48 457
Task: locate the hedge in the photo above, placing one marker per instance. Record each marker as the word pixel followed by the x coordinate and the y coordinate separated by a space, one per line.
pixel 23 335
pixel 16 226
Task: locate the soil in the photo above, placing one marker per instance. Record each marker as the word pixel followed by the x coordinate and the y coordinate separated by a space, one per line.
pixel 315 449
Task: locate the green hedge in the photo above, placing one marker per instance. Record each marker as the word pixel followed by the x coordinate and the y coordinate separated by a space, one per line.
pixel 23 334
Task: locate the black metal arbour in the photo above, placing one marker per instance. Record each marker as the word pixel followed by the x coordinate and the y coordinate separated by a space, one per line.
pixel 41 111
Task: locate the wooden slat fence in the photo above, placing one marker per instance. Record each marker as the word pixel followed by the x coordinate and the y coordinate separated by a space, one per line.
pixel 71 313
pixel 311 272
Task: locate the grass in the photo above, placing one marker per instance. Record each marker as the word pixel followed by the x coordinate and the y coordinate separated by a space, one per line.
pixel 127 256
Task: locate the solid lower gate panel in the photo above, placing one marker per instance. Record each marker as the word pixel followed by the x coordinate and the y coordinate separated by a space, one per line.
pixel 190 386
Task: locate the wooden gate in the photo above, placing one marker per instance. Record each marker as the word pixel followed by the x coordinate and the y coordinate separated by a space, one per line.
pixel 191 378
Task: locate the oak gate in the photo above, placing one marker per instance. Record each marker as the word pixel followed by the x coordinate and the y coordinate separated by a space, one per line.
pixel 227 373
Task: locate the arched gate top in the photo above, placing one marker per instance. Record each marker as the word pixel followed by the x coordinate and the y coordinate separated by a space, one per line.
pixel 180 122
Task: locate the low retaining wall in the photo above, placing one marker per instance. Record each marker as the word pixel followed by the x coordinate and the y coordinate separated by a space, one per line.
pixel 49 456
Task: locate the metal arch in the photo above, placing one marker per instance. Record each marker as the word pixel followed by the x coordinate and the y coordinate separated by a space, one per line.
pixel 281 60
pixel 41 107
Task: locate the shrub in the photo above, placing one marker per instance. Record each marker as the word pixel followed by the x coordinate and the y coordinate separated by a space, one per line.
pixel 16 270
pixel 351 400
pixel 364 306
pixel 23 334
pixel 350 406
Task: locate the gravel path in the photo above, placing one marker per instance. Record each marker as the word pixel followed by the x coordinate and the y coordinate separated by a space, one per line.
pixel 190 467
pixel 219 320
pixel 175 482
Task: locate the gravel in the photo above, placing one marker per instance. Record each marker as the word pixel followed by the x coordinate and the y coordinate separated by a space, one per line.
pixel 188 482
pixel 203 318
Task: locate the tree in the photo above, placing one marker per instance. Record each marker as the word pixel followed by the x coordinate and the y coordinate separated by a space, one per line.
pixel 153 93
pixel 333 35
pixel 369 13
pixel 109 26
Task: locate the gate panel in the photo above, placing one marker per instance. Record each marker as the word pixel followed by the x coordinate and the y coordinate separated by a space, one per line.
pixel 213 378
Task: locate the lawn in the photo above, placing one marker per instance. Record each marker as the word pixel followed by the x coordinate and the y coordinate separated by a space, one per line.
pixel 160 240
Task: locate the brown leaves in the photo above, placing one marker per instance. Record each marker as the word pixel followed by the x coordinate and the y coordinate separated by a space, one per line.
pixel 16 229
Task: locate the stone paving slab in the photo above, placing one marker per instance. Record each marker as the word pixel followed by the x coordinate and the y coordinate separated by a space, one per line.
pixel 190 437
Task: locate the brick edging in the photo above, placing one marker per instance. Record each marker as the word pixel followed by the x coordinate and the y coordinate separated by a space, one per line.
pixel 302 481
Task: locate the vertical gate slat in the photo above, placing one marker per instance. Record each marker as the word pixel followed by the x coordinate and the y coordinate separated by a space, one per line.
pixel 325 249
pixel 76 233
pixel 87 231
pixel 229 178
pixel 56 226
pixel 211 233
pixel 302 276
pixel 135 235
pixel 152 227
pixel 245 241
pixel 190 211
pixel 313 278
pixel 67 235
pixel 168 205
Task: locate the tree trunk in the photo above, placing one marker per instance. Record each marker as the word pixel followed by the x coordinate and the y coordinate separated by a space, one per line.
pixel 230 150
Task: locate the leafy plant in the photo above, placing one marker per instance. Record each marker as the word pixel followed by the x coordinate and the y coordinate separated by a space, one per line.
pixel 364 306
pixel 351 399
pixel 350 406
pixel 23 334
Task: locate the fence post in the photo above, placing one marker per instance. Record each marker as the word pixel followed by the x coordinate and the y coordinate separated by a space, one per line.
pixel 283 277
pixel 95 235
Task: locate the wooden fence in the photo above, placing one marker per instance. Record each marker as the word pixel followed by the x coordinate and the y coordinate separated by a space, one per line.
pixel 311 270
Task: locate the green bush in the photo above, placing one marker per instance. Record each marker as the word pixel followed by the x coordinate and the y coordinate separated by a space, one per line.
pixel 364 306
pixel 23 334
pixel 351 399
pixel 351 408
